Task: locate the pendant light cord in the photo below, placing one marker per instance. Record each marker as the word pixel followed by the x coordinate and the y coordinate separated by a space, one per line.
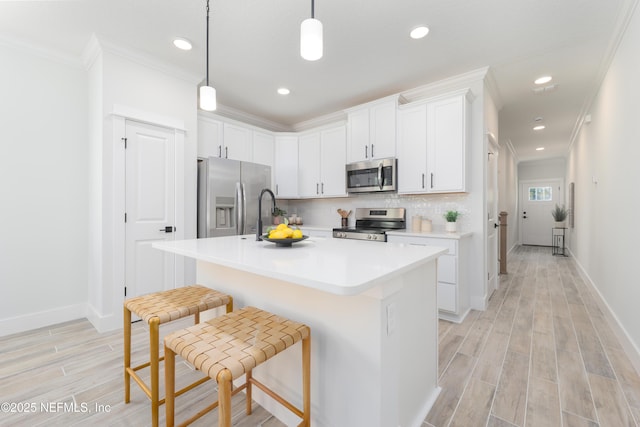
pixel 312 10
pixel 207 42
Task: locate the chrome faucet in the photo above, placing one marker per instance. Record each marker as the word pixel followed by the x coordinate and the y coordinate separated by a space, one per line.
pixel 273 199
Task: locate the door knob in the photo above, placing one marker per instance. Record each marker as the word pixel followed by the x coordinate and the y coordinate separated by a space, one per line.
pixel 495 225
pixel 168 229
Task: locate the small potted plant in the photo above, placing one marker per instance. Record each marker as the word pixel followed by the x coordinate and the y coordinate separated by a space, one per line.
pixel 559 214
pixel 278 214
pixel 451 217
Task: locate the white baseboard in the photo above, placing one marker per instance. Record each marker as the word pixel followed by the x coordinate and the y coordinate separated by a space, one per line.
pixel 629 346
pixel 424 411
pixel 40 319
pixel 479 303
pixel 103 323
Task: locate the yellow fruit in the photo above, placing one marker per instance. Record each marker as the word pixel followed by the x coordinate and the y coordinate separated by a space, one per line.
pixel 281 226
pixel 278 234
pixel 287 231
pixel 297 234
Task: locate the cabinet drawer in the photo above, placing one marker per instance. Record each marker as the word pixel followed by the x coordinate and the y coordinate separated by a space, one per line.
pixel 447 297
pixel 450 244
pixel 447 269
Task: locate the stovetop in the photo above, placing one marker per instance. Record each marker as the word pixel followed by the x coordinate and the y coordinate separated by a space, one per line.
pixel 372 224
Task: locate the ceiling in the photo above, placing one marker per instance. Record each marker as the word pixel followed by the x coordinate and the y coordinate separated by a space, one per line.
pixel 254 49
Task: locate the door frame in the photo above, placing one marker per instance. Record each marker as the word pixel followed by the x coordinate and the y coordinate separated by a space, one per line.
pixel 120 117
pixel 492 148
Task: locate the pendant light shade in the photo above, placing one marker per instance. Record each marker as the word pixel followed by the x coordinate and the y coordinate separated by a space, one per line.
pixel 311 37
pixel 208 93
pixel 208 98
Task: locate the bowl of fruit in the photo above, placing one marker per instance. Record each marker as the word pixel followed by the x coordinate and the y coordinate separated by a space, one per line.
pixel 283 235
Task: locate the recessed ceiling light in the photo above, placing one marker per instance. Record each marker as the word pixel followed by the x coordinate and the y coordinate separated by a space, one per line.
pixel 284 91
pixel 419 32
pixel 542 80
pixel 181 43
pixel 539 148
pixel 539 127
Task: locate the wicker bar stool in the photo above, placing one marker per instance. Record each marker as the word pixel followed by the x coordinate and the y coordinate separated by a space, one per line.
pixel 155 309
pixel 231 345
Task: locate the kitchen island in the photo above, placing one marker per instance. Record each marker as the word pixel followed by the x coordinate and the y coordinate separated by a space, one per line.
pixel 372 312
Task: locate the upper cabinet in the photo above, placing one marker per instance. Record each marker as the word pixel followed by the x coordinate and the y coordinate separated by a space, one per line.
pixel 286 167
pixel 371 130
pixel 322 157
pixel 224 140
pixel 432 145
pixel 264 151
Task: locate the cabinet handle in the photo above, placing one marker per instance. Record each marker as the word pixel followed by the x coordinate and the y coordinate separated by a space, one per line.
pixel 422 180
pixel 366 151
pixel 317 190
pixel 219 150
pixel 372 156
pixel 322 188
pixel 276 189
pixel 432 180
pixel 226 152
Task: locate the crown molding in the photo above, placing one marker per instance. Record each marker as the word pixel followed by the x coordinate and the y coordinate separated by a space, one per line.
pixel 446 85
pixel 98 44
pixel 491 86
pixel 40 51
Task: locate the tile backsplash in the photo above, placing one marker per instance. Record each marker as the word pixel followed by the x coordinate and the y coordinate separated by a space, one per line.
pixel 323 212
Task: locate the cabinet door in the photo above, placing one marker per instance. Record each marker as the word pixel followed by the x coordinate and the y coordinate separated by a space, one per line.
pixel 358 136
pixel 286 167
pixel 382 133
pixel 309 165
pixel 412 150
pixel 446 138
pixel 237 143
pixel 264 150
pixel 209 137
pixel 333 157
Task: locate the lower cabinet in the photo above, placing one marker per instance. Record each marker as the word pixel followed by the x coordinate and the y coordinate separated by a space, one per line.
pixel 453 293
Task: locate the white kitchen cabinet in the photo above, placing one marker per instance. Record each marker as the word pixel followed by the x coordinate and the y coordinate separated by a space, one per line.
pixel 237 143
pixel 286 167
pixel 453 291
pixel 321 157
pixel 209 136
pixel 371 130
pixel 432 145
pixel 264 151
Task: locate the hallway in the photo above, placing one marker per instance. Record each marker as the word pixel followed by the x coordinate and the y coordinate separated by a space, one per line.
pixel 542 354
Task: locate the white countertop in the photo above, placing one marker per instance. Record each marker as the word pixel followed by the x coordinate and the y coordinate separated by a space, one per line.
pixel 434 234
pixel 337 266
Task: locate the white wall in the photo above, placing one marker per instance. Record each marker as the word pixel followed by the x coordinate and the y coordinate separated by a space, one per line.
pixel 542 169
pixel 605 238
pixel 43 182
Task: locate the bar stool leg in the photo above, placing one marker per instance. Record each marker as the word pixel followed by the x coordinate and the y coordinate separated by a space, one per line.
pixel 154 357
pixel 224 398
pixel 306 381
pixel 127 355
pixel 169 379
pixel 249 374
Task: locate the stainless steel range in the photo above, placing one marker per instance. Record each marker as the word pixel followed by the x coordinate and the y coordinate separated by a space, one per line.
pixel 373 223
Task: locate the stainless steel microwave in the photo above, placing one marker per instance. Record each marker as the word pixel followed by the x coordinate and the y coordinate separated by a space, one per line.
pixel 372 176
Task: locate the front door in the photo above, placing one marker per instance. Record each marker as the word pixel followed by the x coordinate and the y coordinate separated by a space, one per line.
pixel 537 199
pixel 150 207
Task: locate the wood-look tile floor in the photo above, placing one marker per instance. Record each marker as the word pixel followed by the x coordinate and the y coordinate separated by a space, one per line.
pixel 542 354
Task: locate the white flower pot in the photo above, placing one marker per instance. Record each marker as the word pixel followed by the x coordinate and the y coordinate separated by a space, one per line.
pixel 451 227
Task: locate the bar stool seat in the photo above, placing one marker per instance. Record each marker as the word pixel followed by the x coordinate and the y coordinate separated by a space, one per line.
pixel 230 346
pixel 155 309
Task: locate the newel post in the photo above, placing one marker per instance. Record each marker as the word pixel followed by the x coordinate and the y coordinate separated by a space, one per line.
pixel 503 242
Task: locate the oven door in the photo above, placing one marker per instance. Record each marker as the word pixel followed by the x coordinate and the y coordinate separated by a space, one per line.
pixel 372 176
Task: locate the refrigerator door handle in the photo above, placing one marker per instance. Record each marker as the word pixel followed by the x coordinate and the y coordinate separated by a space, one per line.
pixel 244 210
pixel 239 209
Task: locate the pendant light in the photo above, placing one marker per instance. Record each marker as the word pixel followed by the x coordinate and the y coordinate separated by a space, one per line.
pixel 311 37
pixel 208 93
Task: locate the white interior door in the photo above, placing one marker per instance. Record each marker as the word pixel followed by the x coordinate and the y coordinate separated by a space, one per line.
pixel 492 216
pixel 150 207
pixel 537 199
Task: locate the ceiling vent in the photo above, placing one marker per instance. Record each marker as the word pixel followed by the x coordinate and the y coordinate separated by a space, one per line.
pixel 544 89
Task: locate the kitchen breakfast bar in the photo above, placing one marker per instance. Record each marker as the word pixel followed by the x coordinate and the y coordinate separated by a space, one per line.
pixel 372 312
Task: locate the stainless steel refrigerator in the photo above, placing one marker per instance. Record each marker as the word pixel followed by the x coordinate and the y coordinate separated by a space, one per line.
pixel 228 192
